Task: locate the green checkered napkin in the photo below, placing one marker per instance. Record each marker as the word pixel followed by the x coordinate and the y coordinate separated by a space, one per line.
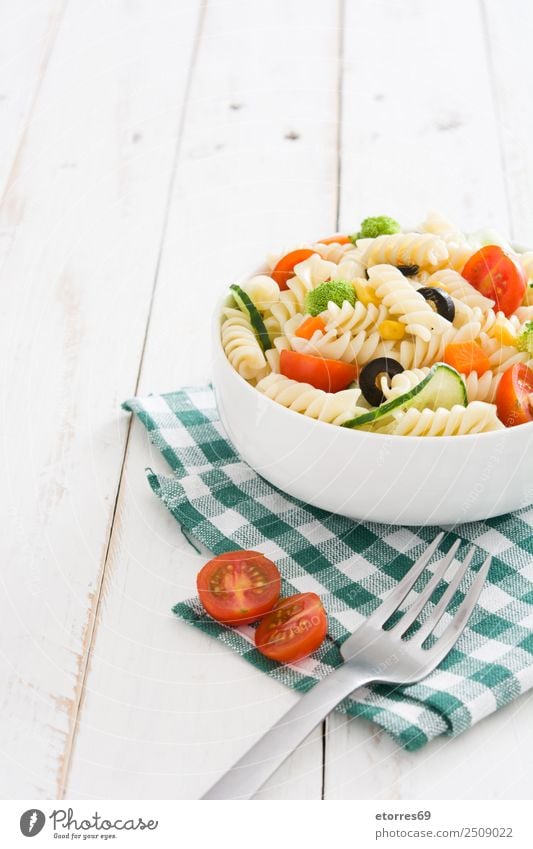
pixel 223 503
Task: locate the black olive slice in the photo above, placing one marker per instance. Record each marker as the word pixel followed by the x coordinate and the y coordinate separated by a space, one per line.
pixel 370 377
pixel 408 270
pixel 442 302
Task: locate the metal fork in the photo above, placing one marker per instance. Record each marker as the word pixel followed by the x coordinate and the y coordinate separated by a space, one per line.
pixel 370 654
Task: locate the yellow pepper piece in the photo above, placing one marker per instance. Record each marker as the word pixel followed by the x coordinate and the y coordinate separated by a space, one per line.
pixel 503 335
pixel 389 329
pixel 365 294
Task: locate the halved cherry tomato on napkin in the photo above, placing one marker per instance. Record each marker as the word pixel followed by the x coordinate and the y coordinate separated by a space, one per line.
pixel 498 276
pixel 238 587
pixel 295 628
pixel 285 266
pixel 320 372
pixel 513 396
pixel 337 238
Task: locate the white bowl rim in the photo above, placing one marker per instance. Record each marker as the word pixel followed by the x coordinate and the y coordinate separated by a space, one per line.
pixel 217 317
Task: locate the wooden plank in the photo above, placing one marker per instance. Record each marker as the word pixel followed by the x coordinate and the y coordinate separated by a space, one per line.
pixel 85 211
pixel 28 33
pixel 420 131
pixel 490 761
pixel 257 169
pixel 419 121
pixel 508 32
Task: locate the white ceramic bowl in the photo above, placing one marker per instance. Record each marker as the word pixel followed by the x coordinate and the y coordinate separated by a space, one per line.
pixel 405 480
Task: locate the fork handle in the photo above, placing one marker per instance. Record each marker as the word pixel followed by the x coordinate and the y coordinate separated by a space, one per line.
pixel 245 778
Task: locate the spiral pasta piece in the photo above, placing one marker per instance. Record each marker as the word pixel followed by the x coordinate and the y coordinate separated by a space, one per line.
pixel 477 417
pixel 281 343
pixel 332 407
pixel 458 255
pixel 459 288
pixel 522 315
pixel 365 346
pixel 439 225
pixel 403 382
pixel 327 345
pixel 417 353
pixel 334 252
pixel 478 388
pixel 502 357
pixel 309 274
pixel 482 387
pixel 263 291
pixel 422 249
pixel 487 321
pixel 241 346
pixel 354 319
pixel 287 306
pixel 404 302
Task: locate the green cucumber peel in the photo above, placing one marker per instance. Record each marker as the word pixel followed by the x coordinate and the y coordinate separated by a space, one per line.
pixel 443 386
pixel 247 306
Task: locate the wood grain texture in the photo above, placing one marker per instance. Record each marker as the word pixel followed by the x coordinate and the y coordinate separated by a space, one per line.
pixel 490 761
pixel 85 214
pixel 28 36
pixel 150 153
pixel 257 168
pixel 508 30
pixel 419 124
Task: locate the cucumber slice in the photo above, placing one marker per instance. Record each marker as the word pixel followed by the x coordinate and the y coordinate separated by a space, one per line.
pixel 247 306
pixel 443 386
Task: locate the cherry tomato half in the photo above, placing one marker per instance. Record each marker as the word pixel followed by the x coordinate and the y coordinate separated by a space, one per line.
pixel 320 372
pixel 284 269
pixel 238 587
pixel 498 276
pixel 293 629
pixel 513 395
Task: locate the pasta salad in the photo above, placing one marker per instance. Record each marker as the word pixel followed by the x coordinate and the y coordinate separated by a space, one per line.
pixel 419 333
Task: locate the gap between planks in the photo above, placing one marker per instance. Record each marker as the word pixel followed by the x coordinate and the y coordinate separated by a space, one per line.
pixel 91 626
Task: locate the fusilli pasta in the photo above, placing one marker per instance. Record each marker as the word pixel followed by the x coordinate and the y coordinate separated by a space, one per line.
pixel 241 346
pixel 404 302
pixel 477 417
pixel 353 317
pixel 422 249
pixel 333 407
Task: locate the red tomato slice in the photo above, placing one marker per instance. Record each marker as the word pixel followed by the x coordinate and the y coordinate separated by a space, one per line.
pixel 498 276
pixel 238 587
pixel 337 238
pixel 285 267
pixel 512 396
pixel 329 375
pixel 295 628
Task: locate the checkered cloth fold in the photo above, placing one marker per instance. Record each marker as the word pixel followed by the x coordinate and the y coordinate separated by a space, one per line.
pixel 222 502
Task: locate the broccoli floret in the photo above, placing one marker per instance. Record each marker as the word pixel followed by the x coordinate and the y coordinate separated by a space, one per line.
pixel 380 225
pixel 338 291
pixel 525 340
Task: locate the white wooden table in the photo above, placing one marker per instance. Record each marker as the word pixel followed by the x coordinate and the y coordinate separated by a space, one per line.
pixel 150 153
